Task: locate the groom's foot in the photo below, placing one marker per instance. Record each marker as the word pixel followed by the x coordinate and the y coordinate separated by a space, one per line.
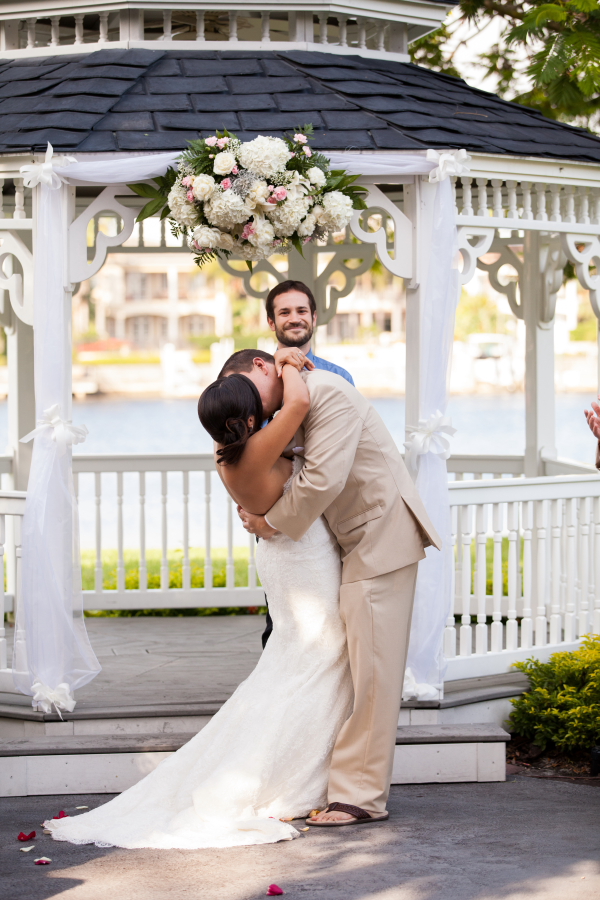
pixel 326 816
pixel 345 814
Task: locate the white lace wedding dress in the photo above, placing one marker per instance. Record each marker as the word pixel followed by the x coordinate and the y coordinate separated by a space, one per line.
pixel 265 755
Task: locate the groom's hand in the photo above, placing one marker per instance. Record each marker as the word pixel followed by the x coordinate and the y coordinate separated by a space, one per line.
pixel 257 525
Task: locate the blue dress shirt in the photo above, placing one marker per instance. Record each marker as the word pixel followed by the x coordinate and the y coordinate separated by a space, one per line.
pixel 329 366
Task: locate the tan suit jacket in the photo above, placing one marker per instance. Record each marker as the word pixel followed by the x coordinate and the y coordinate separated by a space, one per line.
pixel 354 476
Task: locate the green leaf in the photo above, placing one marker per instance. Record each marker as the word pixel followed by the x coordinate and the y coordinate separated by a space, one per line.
pixel 297 244
pixel 150 209
pixel 145 190
pixel 249 264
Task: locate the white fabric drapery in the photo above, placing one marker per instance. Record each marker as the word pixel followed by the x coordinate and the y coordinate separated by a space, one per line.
pixel 52 651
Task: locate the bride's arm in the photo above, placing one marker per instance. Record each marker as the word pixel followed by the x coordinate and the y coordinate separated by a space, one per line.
pixel 266 446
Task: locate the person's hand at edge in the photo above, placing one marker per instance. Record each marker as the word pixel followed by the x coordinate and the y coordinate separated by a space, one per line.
pixel 257 525
pixel 593 419
pixel 292 356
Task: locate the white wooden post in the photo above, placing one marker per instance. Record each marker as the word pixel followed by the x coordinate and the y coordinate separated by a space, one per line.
pixel 539 365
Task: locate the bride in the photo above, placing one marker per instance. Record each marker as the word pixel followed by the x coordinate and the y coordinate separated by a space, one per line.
pixel 263 759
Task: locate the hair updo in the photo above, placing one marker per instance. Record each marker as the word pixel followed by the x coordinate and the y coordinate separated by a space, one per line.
pixel 224 409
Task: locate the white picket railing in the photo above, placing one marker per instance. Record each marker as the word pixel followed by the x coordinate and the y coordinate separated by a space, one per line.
pixel 12 507
pixel 539 540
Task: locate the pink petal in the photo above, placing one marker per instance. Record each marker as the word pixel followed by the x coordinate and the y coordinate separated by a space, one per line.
pixel 42 861
pixel 274 891
pixel 62 815
pixel 25 837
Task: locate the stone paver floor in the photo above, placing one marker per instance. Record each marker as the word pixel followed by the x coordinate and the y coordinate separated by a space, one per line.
pixel 523 840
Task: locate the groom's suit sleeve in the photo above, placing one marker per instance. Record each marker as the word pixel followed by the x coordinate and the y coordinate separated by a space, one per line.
pixel 332 431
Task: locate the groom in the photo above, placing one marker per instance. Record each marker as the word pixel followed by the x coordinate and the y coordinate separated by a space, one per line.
pixel 354 475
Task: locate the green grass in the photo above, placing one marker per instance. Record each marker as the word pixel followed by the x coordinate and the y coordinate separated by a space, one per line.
pixel 153 563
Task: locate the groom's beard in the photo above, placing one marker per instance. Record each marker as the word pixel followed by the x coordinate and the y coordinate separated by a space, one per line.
pixel 287 339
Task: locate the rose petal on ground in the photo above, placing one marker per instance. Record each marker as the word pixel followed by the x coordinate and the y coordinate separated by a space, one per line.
pixel 313 813
pixel 42 861
pixel 25 837
pixel 305 829
pixel 26 849
pixel 274 891
pixel 82 807
pixel 62 815
pixel 47 831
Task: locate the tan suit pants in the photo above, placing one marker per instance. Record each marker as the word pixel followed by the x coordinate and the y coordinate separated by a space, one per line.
pixel 377 613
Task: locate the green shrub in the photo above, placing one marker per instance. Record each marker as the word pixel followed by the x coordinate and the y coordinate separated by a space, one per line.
pixel 563 706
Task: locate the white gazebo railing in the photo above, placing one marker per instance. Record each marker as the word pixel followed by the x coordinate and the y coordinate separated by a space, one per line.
pixel 12 507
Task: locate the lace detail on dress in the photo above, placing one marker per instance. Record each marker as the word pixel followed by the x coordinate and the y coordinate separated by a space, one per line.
pixel 266 754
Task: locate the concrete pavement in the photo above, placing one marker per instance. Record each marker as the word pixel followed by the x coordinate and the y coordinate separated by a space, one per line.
pixel 525 839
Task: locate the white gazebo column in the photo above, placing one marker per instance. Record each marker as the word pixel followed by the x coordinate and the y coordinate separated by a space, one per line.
pixel 21 398
pixel 540 437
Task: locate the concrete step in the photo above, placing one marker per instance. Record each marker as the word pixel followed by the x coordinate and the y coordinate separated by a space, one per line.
pixel 67 764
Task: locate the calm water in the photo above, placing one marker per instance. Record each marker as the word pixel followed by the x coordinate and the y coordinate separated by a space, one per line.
pixel 486 424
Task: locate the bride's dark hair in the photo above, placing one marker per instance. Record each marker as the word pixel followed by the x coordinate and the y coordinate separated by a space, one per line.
pixel 224 409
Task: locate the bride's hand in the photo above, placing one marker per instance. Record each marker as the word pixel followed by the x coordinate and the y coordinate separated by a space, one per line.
pixel 292 356
pixel 257 525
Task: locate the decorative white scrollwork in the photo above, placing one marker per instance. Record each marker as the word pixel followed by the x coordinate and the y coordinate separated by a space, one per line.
pixel 473 242
pixel 79 267
pixel 584 251
pixel 552 265
pixel 19 287
pixel 506 256
pixel 401 263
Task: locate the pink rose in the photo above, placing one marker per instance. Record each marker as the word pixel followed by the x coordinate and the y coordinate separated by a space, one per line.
pixel 190 196
pixel 301 138
pixel 210 142
pixel 272 199
pixel 280 193
pixel 222 142
pixel 226 184
pixel 249 230
pixel 307 151
pixel 235 171
pixel 187 181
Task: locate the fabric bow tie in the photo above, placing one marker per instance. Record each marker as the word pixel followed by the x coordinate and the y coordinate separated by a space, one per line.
pixel 59 697
pixel 43 173
pixel 63 431
pixel 449 162
pixel 429 437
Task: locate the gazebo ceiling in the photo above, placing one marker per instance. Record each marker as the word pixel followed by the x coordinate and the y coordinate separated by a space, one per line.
pixel 139 99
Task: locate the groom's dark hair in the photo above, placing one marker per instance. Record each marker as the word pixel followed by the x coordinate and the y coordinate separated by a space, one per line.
pixel 242 362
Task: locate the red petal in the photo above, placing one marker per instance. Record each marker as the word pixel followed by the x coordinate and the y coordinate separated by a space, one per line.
pixel 25 837
pixel 274 891
pixel 44 861
pixel 62 815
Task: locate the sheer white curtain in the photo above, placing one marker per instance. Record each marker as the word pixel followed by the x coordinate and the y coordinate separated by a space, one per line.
pixel 53 656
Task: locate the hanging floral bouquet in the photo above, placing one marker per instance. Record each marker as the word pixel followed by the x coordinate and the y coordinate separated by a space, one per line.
pixel 252 198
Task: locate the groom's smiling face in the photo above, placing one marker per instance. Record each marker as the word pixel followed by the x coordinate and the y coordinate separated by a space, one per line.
pixel 270 387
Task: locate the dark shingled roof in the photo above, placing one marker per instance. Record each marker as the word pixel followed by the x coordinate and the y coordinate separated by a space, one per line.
pixel 158 100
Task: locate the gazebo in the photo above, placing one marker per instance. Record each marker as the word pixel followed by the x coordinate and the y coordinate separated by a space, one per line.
pixel 121 87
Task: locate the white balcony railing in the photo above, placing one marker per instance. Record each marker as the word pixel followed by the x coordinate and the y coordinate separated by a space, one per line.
pixel 370 31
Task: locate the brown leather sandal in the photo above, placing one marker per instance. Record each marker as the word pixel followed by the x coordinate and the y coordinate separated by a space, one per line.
pixel 360 816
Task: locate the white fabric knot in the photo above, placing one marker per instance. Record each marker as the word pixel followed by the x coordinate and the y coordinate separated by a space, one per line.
pixel 429 437
pixel 43 173
pixel 59 697
pixel 418 690
pixel 449 162
pixel 63 431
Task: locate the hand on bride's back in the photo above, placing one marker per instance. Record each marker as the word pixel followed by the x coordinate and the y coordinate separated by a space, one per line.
pixel 292 356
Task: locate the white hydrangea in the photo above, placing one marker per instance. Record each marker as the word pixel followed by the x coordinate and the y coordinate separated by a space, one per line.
pixel 226 241
pixel 249 251
pixel 226 209
pixel 287 217
pixel 307 226
pixel 265 156
pixel 316 176
pixel 203 187
pixel 337 211
pixel 184 212
pixel 224 163
pixel 204 236
pixel 263 235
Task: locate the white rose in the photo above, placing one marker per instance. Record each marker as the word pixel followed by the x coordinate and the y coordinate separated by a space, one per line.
pixel 265 156
pixel 226 241
pixel 182 211
pixel 257 195
pixel 316 176
pixel 203 187
pixel 207 237
pixel 224 163
pixel 226 209
pixel 307 226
